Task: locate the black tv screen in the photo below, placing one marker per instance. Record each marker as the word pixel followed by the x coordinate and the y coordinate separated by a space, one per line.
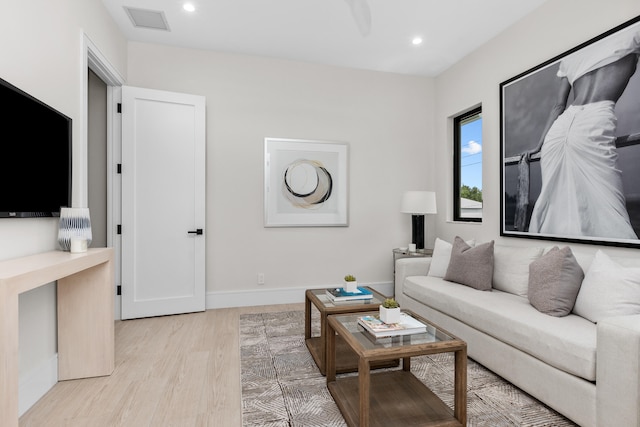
pixel 35 156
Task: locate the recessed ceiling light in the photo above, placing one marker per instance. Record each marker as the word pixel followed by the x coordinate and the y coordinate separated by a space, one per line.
pixel 189 7
pixel 417 40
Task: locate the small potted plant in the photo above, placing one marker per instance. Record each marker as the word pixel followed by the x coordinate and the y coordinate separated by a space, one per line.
pixel 350 283
pixel 390 311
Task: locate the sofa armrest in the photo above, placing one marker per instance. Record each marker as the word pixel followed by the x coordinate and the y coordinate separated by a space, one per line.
pixel 405 267
pixel 618 371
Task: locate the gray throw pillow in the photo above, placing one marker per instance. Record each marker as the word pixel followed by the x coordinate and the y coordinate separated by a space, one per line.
pixel 441 256
pixel 471 266
pixel 554 282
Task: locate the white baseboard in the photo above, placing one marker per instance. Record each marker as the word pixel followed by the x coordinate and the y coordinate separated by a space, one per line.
pixel 37 383
pixel 246 298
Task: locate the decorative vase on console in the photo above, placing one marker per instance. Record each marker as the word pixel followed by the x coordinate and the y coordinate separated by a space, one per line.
pixel 74 223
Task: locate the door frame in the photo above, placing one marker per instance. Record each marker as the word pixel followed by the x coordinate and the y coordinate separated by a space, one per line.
pixel 94 60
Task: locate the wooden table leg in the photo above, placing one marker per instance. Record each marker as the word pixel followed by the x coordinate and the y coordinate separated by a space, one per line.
pixel 406 364
pixel 460 411
pixel 324 335
pixel 331 355
pixel 86 339
pixel 364 384
pixel 307 316
pixel 9 360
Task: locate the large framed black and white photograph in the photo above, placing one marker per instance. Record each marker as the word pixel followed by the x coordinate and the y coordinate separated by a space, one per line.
pixel 570 144
pixel 305 183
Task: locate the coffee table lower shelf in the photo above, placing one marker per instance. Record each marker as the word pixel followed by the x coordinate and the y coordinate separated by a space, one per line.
pixel 346 359
pixel 396 398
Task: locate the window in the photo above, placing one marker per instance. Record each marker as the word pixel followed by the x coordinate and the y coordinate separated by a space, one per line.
pixel 467 178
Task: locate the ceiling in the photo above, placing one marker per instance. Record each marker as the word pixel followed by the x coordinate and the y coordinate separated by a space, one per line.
pixel 326 31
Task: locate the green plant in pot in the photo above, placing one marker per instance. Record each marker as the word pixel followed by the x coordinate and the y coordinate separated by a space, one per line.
pixel 350 283
pixel 390 311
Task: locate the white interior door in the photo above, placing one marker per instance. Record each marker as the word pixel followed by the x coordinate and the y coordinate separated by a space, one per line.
pixel 163 203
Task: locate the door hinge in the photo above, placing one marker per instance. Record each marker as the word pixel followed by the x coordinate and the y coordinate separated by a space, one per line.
pixel 119 168
pixel 119 229
pixel 119 107
pixel 119 290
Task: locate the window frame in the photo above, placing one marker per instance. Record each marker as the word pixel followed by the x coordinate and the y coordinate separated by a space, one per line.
pixel 457 162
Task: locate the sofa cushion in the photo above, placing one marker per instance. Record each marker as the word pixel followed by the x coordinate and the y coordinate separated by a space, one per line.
pixel 471 266
pixel 554 282
pixel 511 268
pixel 567 343
pixel 608 290
pixel 441 256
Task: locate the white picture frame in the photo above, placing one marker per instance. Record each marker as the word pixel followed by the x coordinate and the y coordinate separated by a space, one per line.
pixel 305 183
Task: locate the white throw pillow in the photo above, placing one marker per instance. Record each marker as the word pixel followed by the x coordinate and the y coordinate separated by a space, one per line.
pixel 511 268
pixel 441 257
pixel 608 290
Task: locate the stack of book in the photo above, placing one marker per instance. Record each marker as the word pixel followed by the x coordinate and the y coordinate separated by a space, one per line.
pixel 408 325
pixel 339 294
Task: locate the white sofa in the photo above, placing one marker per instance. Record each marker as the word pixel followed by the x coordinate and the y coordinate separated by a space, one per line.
pixel 551 358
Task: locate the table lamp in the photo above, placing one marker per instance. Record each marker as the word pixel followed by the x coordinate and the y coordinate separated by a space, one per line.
pixel 418 203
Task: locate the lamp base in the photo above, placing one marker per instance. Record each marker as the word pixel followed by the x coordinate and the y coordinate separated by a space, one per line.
pixel 417 231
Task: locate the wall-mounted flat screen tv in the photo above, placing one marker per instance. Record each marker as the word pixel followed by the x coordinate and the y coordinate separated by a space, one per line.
pixel 35 156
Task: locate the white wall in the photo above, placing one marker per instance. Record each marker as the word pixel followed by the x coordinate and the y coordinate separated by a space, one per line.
pixel 557 26
pixel 387 119
pixel 41 53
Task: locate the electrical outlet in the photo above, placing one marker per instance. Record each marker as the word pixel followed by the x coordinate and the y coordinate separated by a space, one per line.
pixel 260 278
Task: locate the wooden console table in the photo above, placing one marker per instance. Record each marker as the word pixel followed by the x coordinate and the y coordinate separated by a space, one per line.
pixel 85 298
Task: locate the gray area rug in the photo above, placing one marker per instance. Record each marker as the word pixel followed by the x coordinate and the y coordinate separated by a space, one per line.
pixel 282 386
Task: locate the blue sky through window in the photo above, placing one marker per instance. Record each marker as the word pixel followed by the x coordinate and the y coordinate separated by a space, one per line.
pixel 471 153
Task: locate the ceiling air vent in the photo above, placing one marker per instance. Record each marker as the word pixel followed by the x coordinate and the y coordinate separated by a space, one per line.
pixel 144 18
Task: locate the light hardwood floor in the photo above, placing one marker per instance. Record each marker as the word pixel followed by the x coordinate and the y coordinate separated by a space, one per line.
pixel 181 370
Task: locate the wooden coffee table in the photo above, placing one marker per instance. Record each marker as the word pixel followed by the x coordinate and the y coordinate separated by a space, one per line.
pixel 346 360
pixel 394 397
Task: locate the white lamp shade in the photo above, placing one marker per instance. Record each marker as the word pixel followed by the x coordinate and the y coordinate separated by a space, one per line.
pixel 419 202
